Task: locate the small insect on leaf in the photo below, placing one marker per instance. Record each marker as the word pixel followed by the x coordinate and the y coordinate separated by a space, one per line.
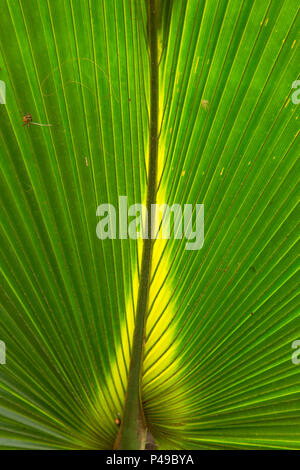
pixel 27 120
pixel 118 420
pixel 204 104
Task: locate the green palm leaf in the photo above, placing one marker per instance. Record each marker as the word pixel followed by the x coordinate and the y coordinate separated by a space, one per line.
pixel 217 368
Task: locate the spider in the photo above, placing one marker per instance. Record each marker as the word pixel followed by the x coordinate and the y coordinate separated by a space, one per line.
pixel 27 120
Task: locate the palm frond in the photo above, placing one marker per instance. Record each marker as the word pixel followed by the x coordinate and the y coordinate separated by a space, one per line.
pixel 217 370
